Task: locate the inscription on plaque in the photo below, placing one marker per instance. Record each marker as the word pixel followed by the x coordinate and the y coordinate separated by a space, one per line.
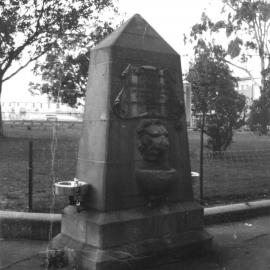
pixel 147 92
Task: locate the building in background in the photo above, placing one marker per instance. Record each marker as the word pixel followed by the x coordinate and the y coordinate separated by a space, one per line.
pixel 249 88
pixel 40 111
pixel 188 104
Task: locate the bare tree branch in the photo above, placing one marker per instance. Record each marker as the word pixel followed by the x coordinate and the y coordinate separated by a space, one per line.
pixel 244 69
pixel 14 54
pixel 24 66
pixel 40 15
pixel 266 38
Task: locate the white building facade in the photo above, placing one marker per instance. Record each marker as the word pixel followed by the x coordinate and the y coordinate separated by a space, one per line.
pixel 40 111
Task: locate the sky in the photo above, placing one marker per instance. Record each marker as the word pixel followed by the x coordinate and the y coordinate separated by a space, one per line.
pixel 170 18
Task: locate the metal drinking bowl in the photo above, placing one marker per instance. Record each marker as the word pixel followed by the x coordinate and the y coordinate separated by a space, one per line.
pixel 71 188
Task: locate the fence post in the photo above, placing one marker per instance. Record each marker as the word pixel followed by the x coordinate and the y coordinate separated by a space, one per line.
pixel 30 176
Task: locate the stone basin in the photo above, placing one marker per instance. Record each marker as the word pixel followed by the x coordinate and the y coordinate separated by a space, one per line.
pixel 71 188
pixel 155 182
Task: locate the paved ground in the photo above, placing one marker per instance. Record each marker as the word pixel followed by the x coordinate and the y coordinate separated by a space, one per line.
pixel 22 254
pixel 237 246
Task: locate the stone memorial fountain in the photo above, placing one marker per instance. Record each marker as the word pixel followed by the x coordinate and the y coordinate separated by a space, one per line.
pixel 134 158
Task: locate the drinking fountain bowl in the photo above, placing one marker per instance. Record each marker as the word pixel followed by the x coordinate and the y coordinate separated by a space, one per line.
pixel 194 177
pixel 71 188
pixel 155 182
pixel 195 174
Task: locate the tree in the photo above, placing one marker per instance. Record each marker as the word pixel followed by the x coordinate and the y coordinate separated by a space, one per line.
pixel 259 117
pixel 64 71
pixel 63 79
pixel 247 26
pixel 214 95
pixel 30 29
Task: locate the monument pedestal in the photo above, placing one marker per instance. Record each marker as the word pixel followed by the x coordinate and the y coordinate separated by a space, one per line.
pixel 131 239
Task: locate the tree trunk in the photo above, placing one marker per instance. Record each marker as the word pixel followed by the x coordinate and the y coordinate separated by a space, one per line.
pixel 1 122
pixel 262 72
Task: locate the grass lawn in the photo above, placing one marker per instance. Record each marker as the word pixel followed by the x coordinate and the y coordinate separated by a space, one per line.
pixel 14 167
pixel 243 173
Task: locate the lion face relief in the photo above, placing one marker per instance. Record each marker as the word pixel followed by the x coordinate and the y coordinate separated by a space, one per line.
pixel 153 140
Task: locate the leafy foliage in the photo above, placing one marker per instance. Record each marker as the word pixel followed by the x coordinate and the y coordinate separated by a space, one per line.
pixel 214 95
pixel 259 117
pixel 30 29
pixel 64 72
pixel 234 47
pixel 247 26
pixel 63 80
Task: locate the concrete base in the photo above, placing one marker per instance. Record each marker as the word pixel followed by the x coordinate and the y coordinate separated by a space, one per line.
pixel 34 226
pixel 131 239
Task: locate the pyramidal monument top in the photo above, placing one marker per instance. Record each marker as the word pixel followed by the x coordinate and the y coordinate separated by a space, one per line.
pixel 136 33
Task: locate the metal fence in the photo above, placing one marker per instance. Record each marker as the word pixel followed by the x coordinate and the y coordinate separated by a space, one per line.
pixel 28 172
pixel 233 176
pixel 239 174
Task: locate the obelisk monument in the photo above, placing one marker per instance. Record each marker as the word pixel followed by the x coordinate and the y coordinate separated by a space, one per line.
pixel 134 155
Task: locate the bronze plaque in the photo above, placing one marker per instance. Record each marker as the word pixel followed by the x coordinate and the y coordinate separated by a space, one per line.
pixel 147 92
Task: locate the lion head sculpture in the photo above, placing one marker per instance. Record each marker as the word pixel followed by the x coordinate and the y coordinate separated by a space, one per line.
pixel 153 140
